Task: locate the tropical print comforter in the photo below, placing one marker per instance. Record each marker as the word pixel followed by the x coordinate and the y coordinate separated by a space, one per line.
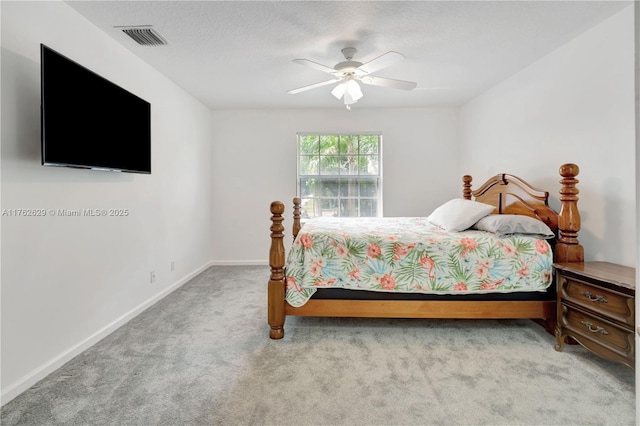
pixel 409 254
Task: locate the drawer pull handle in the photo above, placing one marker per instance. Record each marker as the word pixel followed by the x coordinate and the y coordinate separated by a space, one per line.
pixel 595 298
pixel 597 329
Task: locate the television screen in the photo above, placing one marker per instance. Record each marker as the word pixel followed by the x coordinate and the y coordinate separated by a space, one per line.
pixel 90 122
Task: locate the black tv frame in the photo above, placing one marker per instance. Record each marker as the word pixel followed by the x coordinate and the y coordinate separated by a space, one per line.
pixel 106 127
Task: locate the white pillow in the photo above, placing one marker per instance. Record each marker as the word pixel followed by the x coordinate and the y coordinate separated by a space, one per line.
pixel 459 214
pixel 504 225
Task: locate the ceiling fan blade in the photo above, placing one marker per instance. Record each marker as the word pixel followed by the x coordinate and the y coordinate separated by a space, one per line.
pixel 315 65
pixel 381 61
pixel 388 82
pixel 313 86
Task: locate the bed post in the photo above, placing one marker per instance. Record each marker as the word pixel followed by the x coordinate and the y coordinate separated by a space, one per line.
pixel 276 281
pixel 466 187
pixel 568 248
pixel 296 217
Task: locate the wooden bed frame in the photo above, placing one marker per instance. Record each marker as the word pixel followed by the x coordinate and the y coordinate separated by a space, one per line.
pixel 510 195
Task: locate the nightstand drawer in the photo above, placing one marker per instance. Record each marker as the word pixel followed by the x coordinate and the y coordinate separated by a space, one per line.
pixel 608 303
pixel 589 329
pixel 596 307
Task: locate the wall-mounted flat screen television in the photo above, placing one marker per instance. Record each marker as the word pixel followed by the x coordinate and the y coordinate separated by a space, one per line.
pixel 88 121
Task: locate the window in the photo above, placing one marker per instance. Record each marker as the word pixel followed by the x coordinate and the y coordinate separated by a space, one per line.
pixel 340 175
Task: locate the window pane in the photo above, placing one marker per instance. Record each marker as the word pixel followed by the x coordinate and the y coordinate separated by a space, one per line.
pixel 309 207
pixel 368 208
pixel 369 187
pixel 348 188
pixel 308 165
pixel 343 166
pixel 348 144
pixel 369 165
pixel 329 188
pixel 329 165
pixel 308 187
pixel 350 165
pixel 329 145
pixel 329 207
pixel 349 207
pixel 309 144
pixel 369 144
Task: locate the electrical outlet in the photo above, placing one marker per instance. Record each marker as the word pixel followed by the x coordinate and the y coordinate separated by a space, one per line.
pixel 152 277
pixel 173 265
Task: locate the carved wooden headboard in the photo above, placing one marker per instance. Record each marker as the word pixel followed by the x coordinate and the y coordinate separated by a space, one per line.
pixel 512 195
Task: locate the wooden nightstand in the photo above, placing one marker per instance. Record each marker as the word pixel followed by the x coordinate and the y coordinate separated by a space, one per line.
pixel 596 308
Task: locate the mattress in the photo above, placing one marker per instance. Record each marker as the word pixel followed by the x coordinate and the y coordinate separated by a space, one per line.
pixel 409 255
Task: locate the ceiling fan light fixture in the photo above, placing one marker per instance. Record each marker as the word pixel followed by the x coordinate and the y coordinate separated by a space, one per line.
pixel 353 91
pixel 349 91
pixel 339 90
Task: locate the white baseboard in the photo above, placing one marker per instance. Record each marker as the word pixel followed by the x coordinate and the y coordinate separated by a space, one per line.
pixel 30 379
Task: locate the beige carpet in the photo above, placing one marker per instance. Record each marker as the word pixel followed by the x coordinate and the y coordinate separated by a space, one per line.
pixel 202 356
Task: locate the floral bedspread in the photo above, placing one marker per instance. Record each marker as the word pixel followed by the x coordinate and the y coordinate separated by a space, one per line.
pixel 409 254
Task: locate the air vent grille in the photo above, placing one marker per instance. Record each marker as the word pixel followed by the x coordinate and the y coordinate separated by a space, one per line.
pixel 145 36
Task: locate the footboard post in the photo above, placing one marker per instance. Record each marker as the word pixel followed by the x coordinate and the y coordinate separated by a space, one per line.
pixel 568 248
pixel 276 281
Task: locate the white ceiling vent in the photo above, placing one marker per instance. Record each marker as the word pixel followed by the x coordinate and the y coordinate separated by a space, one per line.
pixel 144 35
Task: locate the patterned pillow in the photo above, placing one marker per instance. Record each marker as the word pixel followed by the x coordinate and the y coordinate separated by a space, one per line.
pixel 459 214
pixel 504 225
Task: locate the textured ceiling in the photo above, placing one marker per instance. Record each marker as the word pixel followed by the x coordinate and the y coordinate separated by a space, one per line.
pixel 237 54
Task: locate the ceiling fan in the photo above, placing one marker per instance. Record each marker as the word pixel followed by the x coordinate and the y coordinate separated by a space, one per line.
pixel 349 72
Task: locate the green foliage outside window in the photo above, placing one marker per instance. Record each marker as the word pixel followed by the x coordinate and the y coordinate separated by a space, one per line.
pixel 339 175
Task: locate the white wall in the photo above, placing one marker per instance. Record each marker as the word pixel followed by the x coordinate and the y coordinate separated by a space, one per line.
pixel 254 154
pixel 574 105
pixel 68 281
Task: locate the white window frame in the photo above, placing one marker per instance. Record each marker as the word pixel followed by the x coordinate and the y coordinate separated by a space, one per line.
pixel 339 176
